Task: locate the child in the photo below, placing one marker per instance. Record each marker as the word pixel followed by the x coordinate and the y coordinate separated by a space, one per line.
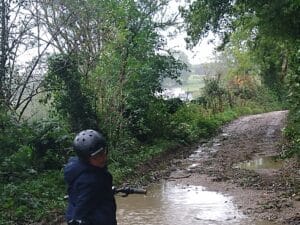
pixel 91 199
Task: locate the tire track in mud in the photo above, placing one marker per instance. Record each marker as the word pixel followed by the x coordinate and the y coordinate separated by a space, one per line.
pixel 269 194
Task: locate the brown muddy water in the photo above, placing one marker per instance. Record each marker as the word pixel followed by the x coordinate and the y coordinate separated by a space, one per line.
pixel 268 162
pixel 170 204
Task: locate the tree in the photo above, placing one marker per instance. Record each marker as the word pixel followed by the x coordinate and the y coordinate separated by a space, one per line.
pixel 267 30
pixel 80 28
pixel 131 69
pixel 278 18
pixel 71 99
pixel 116 50
pixel 23 54
pixel 251 27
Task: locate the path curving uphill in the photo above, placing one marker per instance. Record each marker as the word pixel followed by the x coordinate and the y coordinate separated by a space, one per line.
pixel 270 192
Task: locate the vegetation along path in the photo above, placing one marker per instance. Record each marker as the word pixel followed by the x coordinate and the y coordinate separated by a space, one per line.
pixel 240 162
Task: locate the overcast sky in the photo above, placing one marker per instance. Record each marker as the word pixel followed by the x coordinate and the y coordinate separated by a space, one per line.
pixel 201 53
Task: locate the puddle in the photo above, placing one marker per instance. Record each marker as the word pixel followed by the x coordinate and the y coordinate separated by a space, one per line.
pixel 170 204
pixel 193 166
pixel 268 162
pixel 202 153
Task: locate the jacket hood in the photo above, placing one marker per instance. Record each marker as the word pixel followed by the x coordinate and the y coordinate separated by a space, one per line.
pixel 74 169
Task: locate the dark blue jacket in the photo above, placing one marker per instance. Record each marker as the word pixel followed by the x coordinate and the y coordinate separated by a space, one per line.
pixel 90 193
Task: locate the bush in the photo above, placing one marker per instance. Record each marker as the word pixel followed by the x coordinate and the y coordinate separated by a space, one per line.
pixel 28 193
pixel 189 123
pixel 226 116
pixel 150 120
pixel 13 135
pixel 32 199
pixel 268 99
pixel 17 166
pixel 173 104
pixel 292 133
pixel 51 142
pixel 69 96
pixel 44 147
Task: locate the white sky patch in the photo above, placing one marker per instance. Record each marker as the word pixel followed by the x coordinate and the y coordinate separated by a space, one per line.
pixel 202 52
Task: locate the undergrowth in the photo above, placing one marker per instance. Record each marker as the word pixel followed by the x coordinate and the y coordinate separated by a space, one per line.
pixel 30 193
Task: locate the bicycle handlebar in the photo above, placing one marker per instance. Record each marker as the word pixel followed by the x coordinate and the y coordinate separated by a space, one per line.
pixel 124 190
pixel 127 190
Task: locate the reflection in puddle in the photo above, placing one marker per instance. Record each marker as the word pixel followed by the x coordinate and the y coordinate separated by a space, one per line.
pixel 193 166
pixel 269 162
pixel 168 204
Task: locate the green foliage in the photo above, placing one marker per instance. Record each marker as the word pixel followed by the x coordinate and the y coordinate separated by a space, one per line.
pixel 292 130
pixel 32 199
pixel 263 39
pixel 148 120
pixel 204 16
pixel 271 62
pixel 190 123
pixel 269 99
pixel 11 135
pixel 130 72
pixel 173 104
pixel 278 19
pixel 18 165
pixel 70 99
pixel 294 79
pixel 214 95
pixel 251 59
pixel 118 90
pixel 229 114
pixel 44 146
pixel 124 168
pixel 28 193
pixel 50 142
pixel 143 110
pixel 260 35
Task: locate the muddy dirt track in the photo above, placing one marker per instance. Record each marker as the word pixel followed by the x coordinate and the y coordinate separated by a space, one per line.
pixel 271 193
pixel 265 193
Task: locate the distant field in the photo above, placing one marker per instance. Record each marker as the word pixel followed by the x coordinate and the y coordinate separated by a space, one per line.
pixel 194 85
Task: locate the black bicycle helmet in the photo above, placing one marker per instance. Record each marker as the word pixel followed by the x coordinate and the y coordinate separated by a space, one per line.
pixel 88 143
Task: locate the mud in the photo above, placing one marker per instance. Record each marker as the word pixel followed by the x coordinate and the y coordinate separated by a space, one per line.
pixel 269 193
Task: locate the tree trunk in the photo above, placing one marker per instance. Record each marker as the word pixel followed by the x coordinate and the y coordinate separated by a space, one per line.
pixel 3 51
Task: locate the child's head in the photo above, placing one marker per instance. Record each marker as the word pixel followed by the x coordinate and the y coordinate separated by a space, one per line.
pixel 90 146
